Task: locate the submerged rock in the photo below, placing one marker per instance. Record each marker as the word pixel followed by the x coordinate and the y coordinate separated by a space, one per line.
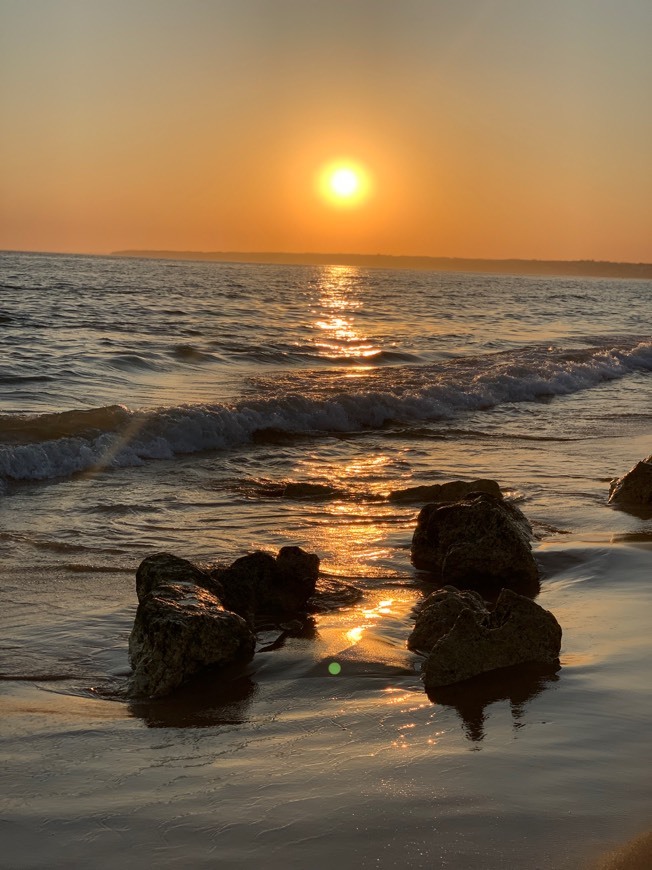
pixel 181 628
pixel 260 583
pixel 436 615
pixel 479 541
pixel 517 631
pixel 635 487
pixel 454 490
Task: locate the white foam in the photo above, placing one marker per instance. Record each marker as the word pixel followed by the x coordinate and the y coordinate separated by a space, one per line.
pixel 401 394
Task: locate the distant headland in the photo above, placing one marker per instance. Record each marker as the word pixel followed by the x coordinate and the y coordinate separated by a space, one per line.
pixel 586 268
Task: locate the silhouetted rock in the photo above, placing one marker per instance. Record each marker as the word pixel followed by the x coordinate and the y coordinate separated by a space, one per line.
pixel 635 487
pixel 517 631
pixel 454 490
pixel 436 615
pixel 479 541
pixel 179 629
pixel 189 619
pixel 261 584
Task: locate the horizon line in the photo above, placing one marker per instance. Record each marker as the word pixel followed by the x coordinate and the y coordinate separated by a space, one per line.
pixel 423 262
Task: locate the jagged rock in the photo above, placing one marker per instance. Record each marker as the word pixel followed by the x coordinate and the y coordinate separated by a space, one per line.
pixel 179 629
pixel 436 615
pixel 517 631
pixel 259 583
pixel 635 487
pixel 479 541
pixel 454 490
pixel 164 568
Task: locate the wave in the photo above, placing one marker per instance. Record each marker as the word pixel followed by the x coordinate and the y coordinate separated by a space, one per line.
pixel 59 445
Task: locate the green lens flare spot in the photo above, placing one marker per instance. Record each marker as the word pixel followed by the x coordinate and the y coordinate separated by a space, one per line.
pixel 334 668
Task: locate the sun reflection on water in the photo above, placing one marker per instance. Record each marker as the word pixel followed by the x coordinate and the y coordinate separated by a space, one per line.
pixel 338 335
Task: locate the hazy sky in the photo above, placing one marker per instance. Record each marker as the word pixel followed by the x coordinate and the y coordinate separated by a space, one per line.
pixel 488 128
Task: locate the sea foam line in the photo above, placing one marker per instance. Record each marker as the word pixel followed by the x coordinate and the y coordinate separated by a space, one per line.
pixel 408 394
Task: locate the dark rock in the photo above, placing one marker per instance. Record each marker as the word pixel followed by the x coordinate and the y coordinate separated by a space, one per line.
pixel 517 631
pixel 635 487
pixel 164 568
pixel 436 615
pixel 181 628
pixel 444 492
pixel 261 584
pixel 297 490
pixel 480 541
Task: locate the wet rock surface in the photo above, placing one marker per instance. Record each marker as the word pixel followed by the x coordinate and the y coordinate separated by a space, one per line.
pixel 517 631
pixel 260 583
pixel 164 568
pixel 179 629
pixel 189 619
pixel 478 542
pixel 635 487
pixel 437 614
pixel 454 490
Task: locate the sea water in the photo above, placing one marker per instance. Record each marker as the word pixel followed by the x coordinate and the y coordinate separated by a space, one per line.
pixel 210 409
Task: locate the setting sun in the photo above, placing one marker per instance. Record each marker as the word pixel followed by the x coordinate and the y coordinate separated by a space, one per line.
pixel 344 183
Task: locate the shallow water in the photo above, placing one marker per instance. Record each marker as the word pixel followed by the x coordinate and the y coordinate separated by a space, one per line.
pixel 155 406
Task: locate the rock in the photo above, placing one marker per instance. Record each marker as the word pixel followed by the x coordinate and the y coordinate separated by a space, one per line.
pixel 297 490
pixel 442 492
pixel 179 629
pixel 635 487
pixel 436 615
pixel 517 631
pixel 480 541
pixel 261 584
pixel 164 568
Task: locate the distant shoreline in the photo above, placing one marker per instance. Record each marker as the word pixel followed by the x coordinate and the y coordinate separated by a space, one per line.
pixel 584 268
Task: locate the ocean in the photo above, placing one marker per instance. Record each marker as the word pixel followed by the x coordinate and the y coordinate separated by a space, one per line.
pixel 210 409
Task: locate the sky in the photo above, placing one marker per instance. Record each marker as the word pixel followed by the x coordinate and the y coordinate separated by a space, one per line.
pixel 483 128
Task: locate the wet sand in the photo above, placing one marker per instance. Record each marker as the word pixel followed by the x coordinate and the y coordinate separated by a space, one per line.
pixel 287 765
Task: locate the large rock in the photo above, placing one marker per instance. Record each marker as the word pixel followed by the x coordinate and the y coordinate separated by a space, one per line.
pixel 635 487
pixel 517 631
pixel 179 629
pixel 437 614
pixel 480 541
pixel 454 490
pixel 261 584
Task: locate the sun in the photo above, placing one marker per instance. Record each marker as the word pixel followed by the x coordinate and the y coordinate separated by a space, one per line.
pixel 344 183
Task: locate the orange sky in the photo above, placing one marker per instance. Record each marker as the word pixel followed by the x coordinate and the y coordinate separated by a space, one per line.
pixel 488 128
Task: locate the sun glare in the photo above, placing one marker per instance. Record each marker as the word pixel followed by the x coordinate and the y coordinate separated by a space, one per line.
pixel 344 183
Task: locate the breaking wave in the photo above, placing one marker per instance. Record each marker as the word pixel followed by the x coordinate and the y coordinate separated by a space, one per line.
pixel 59 445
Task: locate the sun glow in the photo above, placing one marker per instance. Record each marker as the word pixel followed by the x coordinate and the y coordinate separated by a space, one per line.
pixel 344 183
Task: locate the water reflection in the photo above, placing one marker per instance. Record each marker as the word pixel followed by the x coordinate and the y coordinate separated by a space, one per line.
pixel 338 335
pixel 217 696
pixel 518 685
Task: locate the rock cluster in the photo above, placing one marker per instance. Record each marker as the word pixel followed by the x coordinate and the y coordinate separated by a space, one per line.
pixel 635 487
pixel 480 541
pixel 188 619
pixel 463 638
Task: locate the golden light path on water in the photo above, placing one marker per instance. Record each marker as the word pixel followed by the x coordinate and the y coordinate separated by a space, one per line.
pixel 339 300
